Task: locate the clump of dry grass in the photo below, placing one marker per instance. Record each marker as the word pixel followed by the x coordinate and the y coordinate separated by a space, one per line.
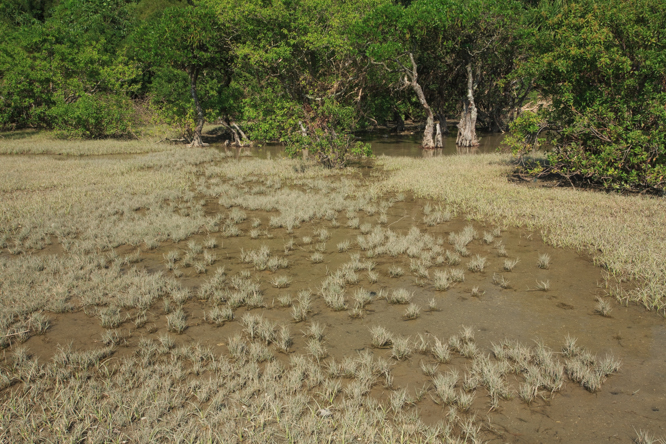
pixel 543 285
pixel 304 306
pixel 402 348
pixel 343 246
pixel 395 271
pixel 603 307
pixel 399 296
pixel 381 337
pixel 543 261
pixel 315 331
pixel 510 264
pixel 219 316
pixel 500 281
pixel 412 312
pixel 457 275
pixel 452 258
pixel 284 340
pixel 476 292
pixel 442 281
pixel 645 437
pixel 284 300
pixel 177 321
pixel 110 317
pixel 281 281
pixel 476 264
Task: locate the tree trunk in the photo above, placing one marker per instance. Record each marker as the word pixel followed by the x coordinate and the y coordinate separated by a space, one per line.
pixel 196 140
pixel 438 136
pixel 467 126
pixel 427 142
pixel 237 140
pixel 399 122
pixel 245 140
pixel 442 122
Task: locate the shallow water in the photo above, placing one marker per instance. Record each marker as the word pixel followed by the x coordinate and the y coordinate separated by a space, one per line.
pixel 408 145
pixel 634 398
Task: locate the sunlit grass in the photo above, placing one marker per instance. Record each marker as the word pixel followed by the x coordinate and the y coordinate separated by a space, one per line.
pixel 624 233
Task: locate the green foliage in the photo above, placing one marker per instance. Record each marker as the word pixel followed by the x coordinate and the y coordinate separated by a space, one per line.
pixel 328 148
pixel 186 38
pixel 445 36
pixel 524 133
pixel 189 52
pixel 603 67
pixel 22 12
pixel 94 116
pixel 328 139
pixel 74 54
pixel 298 54
pixel 170 100
pixel 597 67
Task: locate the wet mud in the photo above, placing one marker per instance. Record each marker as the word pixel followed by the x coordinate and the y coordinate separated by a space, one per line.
pixel 633 398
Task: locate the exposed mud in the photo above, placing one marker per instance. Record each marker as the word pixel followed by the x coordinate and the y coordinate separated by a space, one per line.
pixel 632 399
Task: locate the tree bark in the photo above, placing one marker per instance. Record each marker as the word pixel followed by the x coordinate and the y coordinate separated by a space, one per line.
pixel 427 142
pixel 438 136
pixel 442 122
pixel 245 140
pixel 196 140
pixel 467 126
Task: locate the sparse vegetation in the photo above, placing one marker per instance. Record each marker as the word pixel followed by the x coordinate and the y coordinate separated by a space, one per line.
pixel 412 312
pixel 399 296
pixel 604 308
pixel 543 261
pixel 477 264
pixel 510 264
pixel 125 288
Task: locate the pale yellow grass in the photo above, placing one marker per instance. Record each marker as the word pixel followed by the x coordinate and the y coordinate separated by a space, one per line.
pixel 43 195
pixel 27 142
pixel 625 234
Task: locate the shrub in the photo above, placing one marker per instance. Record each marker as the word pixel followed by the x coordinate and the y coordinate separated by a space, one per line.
pixel 600 71
pixel 94 116
pixel 328 148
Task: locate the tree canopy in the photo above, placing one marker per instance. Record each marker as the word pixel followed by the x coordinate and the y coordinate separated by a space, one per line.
pixel 591 71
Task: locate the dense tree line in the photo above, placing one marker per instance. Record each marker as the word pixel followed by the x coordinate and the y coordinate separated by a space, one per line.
pixel 310 72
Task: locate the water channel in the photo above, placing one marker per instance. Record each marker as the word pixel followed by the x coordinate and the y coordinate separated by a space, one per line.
pixel 408 145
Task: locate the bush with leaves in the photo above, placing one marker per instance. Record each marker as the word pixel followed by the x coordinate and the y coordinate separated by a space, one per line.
pixel 326 135
pixel 328 148
pixel 603 71
pixel 94 116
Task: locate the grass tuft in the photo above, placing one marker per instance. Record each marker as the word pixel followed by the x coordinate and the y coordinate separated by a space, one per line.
pixel 402 348
pixel 281 281
pixel 476 264
pixel 412 312
pixel 381 337
pixel 176 322
pixel 543 261
pixel 500 281
pixel 510 264
pixel 395 271
pixel 604 308
pixel 399 296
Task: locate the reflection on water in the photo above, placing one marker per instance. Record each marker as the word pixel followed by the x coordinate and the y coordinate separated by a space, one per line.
pixel 410 146
pixel 388 145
